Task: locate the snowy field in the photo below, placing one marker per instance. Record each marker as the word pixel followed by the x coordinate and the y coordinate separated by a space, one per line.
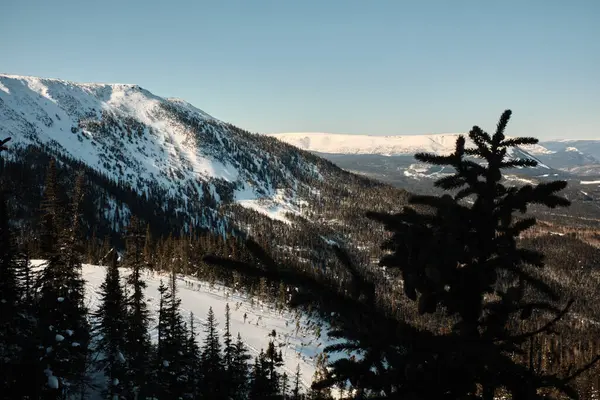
pixel 298 346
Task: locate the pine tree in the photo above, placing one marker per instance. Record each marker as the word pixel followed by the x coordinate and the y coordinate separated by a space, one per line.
pixel 9 292
pixel 239 370
pixel 273 361
pixel 228 353
pixel 171 374
pixel 284 385
pixel 110 327
pixel 453 256
pixel 212 360
pixel 296 387
pixel 192 361
pixel 138 346
pixel 61 310
pixel 259 381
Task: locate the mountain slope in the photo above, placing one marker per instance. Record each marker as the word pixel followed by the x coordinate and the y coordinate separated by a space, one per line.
pixel 128 134
pixel 181 171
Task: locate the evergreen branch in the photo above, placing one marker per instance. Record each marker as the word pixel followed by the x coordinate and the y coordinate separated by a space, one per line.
pixel 436 159
pixel 525 163
pixel 3 143
pixel 520 141
pixel 499 135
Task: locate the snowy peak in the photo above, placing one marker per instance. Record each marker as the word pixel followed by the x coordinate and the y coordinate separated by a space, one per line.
pixel 367 144
pixel 160 146
pixel 388 145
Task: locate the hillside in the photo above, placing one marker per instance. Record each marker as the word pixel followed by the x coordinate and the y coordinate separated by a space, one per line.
pixel 299 346
pixel 180 170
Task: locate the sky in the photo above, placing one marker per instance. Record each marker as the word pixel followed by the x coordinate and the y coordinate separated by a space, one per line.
pixel 342 66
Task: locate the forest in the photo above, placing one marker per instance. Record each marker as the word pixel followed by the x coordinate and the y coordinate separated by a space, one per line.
pixel 429 296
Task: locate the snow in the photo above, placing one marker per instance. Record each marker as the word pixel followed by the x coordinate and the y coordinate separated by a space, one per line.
pixel 589 182
pixel 59 338
pixel 52 380
pixel 515 178
pixel 60 299
pixel 395 145
pixel 153 142
pixel 165 364
pixel 299 347
pixel 367 144
pixel 275 205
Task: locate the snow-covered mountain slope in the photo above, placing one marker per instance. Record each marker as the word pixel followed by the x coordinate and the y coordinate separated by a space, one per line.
pixel 381 145
pixel 158 146
pixel 299 344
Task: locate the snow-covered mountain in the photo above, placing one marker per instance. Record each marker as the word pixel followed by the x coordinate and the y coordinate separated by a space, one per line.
pixel 382 145
pixel 579 157
pixel 391 158
pixel 161 147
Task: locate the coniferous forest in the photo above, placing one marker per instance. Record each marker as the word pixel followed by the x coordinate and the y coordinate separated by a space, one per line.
pixel 456 301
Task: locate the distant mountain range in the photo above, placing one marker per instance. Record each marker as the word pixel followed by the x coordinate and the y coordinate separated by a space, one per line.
pixel 577 157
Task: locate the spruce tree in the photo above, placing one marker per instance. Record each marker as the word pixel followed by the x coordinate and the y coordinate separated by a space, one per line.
pixel 453 256
pixel 110 327
pixel 212 360
pixel 62 315
pixel 296 384
pixel 228 353
pixel 138 346
pixel 9 291
pixel 171 374
pixel 192 361
pixel 239 370
pixel 259 381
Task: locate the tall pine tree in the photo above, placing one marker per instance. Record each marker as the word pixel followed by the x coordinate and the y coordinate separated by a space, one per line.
pixel 138 348
pixel 110 327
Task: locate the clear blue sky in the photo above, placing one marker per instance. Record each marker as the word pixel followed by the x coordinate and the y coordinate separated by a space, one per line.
pixel 374 67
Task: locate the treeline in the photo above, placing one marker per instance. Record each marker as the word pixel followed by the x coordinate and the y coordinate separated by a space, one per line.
pixel 53 347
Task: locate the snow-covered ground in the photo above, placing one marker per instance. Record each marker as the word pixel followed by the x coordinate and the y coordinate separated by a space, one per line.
pixel 275 206
pixel 298 346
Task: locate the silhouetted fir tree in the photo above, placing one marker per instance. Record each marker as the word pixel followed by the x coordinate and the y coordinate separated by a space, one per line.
pixel 212 360
pixel 239 370
pixel 61 310
pixel 138 347
pixel 453 256
pixel 110 328
pixel 449 256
